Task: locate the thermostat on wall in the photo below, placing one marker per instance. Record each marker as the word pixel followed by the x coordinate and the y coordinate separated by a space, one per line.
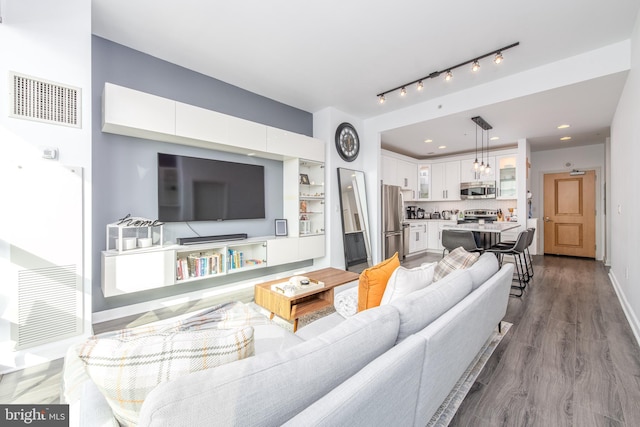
pixel 50 153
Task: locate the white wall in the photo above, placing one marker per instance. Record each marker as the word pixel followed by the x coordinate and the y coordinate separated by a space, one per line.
pixel 625 200
pixel 51 41
pixel 325 123
pixel 553 161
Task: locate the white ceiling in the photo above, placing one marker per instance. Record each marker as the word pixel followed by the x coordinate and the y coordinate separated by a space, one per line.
pixel 331 53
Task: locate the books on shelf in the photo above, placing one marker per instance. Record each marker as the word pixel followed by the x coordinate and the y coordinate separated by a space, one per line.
pixel 207 263
pixel 198 265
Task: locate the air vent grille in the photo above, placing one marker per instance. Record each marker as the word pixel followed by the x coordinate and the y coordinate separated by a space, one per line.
pixel 43 101
pixel 48 305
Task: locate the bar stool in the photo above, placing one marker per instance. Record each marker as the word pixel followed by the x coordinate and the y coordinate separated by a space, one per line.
pixel 452 239
pixel 529 260
pixel 517 251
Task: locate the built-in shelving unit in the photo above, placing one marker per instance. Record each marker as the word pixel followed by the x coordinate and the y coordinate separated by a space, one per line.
pixel 311 198
pixel 134 113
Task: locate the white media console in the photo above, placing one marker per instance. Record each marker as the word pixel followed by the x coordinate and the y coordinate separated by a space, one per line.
pixel 143 269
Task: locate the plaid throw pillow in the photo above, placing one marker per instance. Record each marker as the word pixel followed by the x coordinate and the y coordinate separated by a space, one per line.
pixel 455 260
pixel 127 364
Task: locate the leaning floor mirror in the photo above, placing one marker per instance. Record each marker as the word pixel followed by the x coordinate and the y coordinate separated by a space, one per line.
pixel 355 219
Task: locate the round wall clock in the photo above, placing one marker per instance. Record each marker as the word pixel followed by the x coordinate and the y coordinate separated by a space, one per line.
pixel 347 142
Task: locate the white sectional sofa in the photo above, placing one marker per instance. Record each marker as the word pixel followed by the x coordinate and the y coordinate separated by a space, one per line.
pixel 389 365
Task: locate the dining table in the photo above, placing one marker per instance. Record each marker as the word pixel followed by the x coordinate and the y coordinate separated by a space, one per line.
pixel 487 234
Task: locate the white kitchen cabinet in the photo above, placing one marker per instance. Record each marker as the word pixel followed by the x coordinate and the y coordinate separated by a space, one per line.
pixel 469 174
pixel 399 172
pixel 424 181
pixel 419 236
pixel 506 178
pixel 434 236
pixel 407 175
pixel 389 170
pixel 445 181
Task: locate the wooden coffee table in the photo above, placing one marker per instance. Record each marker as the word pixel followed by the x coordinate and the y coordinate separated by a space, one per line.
pixel 294 307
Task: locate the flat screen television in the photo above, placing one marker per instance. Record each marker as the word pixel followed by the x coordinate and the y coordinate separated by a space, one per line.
pixel 196 189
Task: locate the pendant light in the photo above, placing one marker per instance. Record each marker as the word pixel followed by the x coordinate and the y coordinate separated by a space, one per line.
pixel 476 165
pixel 482 166
pixel 487 170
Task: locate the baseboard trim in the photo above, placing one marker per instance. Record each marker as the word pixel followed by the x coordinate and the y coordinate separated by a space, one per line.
pixel 143 307
pixel 626 307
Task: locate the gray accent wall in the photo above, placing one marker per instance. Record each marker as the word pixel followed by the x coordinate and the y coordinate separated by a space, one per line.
pixel 124 176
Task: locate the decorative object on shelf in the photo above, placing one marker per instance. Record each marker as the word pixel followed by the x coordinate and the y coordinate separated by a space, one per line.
pixel 134 232
pixel 448 75
pixel 281 227
pixel 136 221
pixel 347 142
pixel 304 179
pixel 303 206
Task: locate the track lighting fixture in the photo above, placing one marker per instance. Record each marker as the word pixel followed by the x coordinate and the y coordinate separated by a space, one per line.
pixel 448 71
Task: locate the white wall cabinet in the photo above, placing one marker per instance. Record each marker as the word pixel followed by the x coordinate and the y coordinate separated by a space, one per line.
pixel 445 181
pixel 469 174
pixel 507 180
pixel 424 181
pixel 133 113
pixel 400 172
pixel 291 144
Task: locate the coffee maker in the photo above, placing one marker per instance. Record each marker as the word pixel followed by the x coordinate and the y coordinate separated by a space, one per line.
pixel 412 212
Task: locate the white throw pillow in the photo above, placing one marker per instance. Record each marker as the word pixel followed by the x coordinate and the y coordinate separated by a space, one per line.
pixel 403 281
pixel 346 302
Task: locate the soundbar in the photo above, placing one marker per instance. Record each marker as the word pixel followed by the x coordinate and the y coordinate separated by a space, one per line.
pixel 210 239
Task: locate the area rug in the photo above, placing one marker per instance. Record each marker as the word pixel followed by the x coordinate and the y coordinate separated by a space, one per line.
pixel 304 320
pixel 447 410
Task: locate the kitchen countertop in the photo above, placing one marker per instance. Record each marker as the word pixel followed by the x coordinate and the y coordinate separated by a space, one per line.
pixel 413 221
pixel 495 227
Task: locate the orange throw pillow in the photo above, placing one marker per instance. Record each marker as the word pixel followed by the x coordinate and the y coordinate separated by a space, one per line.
pixel 373 282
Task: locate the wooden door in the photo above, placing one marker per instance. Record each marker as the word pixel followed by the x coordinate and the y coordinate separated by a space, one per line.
pixel 569 214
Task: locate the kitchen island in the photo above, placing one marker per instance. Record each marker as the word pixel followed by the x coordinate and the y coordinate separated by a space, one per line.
pixel 486 234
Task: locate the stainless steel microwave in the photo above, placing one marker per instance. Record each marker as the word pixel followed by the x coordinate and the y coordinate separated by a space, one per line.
pixel 478 190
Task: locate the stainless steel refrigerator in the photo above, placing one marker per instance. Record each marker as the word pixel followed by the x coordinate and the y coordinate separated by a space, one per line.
pixel 392 221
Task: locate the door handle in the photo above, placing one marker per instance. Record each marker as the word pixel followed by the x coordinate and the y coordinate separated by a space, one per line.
pixel 547 219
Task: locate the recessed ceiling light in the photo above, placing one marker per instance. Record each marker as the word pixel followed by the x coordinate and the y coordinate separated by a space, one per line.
pixel 563 126
pixel 565 138
pixel 442 146
pixel 428 140
pixel 494 138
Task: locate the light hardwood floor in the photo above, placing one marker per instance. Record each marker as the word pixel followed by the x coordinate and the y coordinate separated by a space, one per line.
pixel 569 360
